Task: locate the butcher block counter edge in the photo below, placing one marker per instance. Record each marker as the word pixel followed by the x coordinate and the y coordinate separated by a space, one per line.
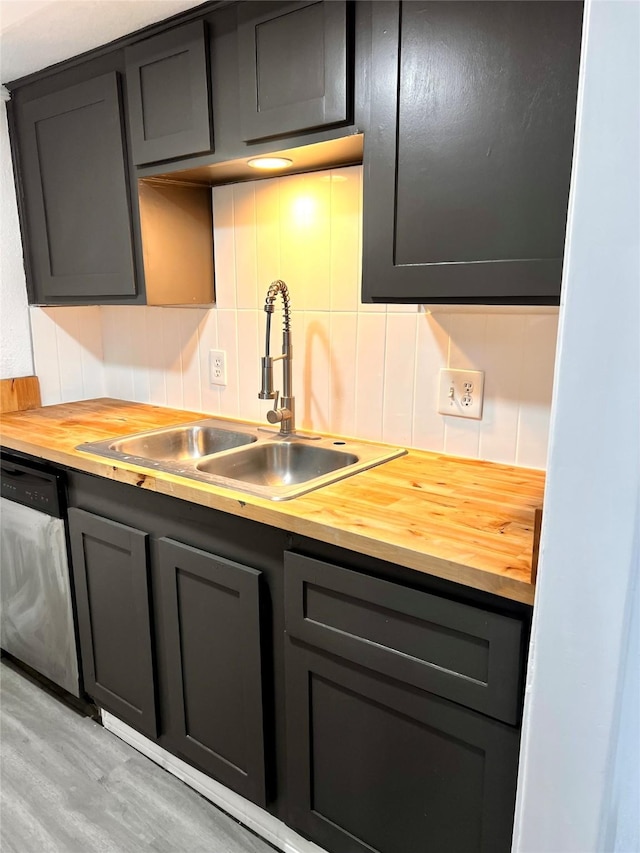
pixel 464 520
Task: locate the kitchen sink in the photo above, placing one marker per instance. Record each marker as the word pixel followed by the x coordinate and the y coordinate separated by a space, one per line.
pixel 278 464
pixel 245 458
pixel 191 441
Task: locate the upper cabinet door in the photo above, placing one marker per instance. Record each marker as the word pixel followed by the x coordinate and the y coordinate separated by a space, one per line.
pixel 468 160
pixel 295 66
pixel 75 185
pixel 168 93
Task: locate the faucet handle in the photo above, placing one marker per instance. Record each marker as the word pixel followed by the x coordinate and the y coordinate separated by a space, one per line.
pixel 275 415
pixel 279 416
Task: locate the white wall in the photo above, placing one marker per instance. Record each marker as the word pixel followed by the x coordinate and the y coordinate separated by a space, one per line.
pixel 361 370
pixel 620 824
pixel 15 338
pixel 580 757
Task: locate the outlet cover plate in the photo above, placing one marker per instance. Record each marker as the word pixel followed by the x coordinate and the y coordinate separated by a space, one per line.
pixel 461 393
pixel 217 367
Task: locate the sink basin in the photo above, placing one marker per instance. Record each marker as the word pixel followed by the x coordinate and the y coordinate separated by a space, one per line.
pixel 174 448
pixel 278 464
pixel 191 441
pixel 244 458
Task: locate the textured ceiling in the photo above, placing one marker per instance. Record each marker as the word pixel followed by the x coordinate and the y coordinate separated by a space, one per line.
pixel 37 33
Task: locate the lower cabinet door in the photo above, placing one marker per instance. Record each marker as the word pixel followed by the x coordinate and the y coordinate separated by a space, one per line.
pixel 111 574
pixel 374 765
pixel 210 619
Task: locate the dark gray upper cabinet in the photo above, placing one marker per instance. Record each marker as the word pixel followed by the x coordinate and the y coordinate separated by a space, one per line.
pixel 295 66
pixel 76 194
pixel 211 626
pixel 111 576
pixel 468 157
pixel 168 94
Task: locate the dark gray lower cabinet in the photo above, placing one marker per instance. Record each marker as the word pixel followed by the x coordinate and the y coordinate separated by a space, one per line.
pixel 373 709
pixel 376 765
pixel 379 758
pixel 454 650
pixel 171 643
pixel 111 576
pixel 211 626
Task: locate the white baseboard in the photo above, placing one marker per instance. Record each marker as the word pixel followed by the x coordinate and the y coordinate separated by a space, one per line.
pixel 260 821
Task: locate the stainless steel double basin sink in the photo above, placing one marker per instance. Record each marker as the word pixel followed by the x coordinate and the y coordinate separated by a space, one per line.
pixel 245 458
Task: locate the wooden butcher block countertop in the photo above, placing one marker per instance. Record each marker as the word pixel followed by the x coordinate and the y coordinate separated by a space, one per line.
pixel 464 520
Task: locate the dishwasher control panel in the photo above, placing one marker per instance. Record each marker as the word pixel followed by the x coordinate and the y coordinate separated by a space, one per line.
pixel 40 489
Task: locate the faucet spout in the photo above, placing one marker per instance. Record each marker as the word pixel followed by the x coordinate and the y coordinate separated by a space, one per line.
pixel 285 415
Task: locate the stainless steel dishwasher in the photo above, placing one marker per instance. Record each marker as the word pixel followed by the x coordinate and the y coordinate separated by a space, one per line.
pixel 36 611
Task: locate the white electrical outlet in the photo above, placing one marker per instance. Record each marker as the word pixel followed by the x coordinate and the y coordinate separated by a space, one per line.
pixel 461 393
pixel 217 367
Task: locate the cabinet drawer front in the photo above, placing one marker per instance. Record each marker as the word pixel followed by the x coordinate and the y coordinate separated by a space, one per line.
pixel 168 93
pixel 210 619
pixel 294 66
pixel 458 651
pixel 110 569
pixel 377 767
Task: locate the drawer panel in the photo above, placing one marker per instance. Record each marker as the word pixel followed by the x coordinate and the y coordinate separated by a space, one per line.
pixel 461 652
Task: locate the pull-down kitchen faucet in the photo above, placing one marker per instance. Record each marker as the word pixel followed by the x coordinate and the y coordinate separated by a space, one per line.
pixel 285 415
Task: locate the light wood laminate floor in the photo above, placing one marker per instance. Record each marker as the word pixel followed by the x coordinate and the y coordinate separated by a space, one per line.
pixel 69 786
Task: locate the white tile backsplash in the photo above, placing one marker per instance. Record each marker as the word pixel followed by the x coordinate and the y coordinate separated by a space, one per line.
pixel 229 342
pixel 432 353
pixel 318 370
pixel 536 384
pixel 370 374
pixel 399 378
pixel 171 344
pixel 248 357
pixel 208 338
pixel 344 274
pixel 467 349
pixel 139 349
pixel 268 234
pixel 117 352
pixel 502 364
pixel 68 353
pixel 313 220
pixel 363 370
pixel 224 250
pixel 342 395
pixel 45 355
pixel 246 246
pixel 154 360
pixel 190 359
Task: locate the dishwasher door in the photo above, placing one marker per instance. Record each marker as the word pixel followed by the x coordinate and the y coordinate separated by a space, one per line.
pixel 36 617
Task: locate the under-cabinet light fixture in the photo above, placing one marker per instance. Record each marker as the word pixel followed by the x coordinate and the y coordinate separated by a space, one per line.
pixel 269 162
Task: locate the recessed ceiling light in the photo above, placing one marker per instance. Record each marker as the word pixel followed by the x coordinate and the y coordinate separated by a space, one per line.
pixel 269 162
